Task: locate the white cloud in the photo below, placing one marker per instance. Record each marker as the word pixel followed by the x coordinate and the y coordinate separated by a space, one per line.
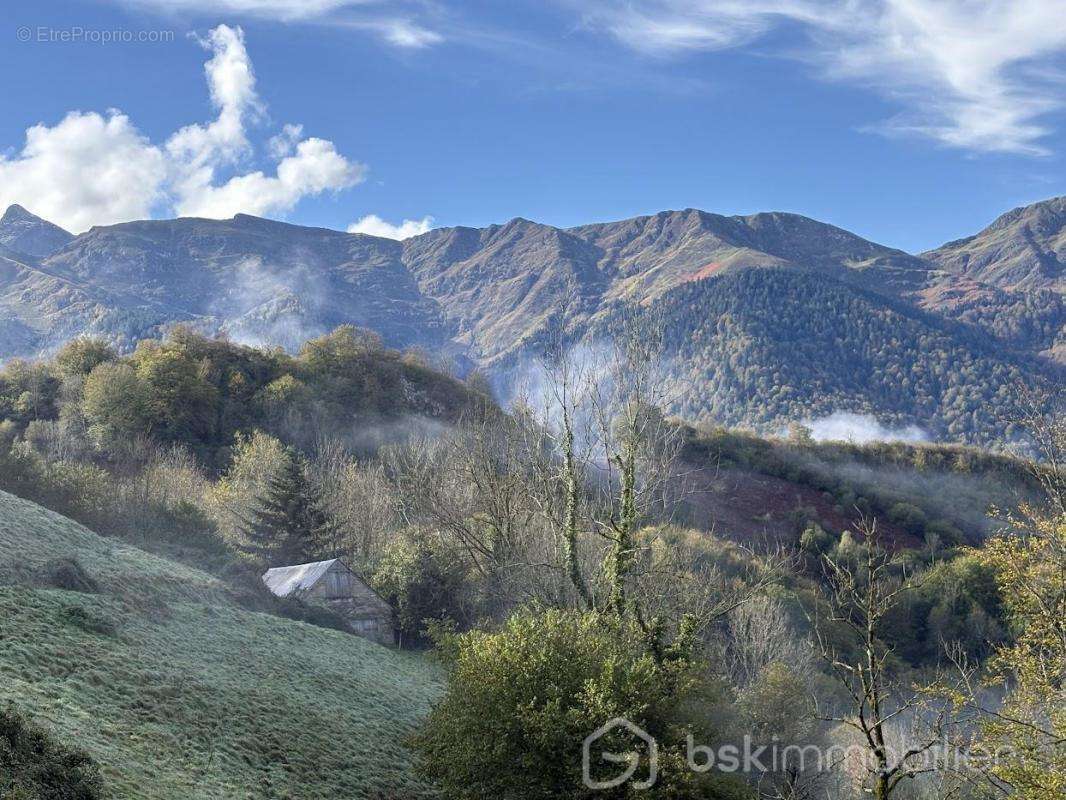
pixel 92 169
pixel 316 167
pixel 972 74
pixel 373 225
pixel 198 151
pixel 285 142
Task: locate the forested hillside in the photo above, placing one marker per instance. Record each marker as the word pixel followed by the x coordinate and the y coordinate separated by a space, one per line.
pixel 765 347
pixel 199 392
pixel 692 586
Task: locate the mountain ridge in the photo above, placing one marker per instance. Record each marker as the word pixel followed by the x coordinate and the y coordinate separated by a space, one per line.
pixel 490 296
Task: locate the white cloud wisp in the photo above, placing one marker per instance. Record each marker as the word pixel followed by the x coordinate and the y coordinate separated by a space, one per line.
pixel 973 74
pixel 393 21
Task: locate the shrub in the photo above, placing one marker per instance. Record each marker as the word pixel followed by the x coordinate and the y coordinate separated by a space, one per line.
pixel 909 517
pixel 33 766
pixel 68 574
pixel 815 539
pixel 90 623
pixel 521 701
pixel 947 534
pixel 802 516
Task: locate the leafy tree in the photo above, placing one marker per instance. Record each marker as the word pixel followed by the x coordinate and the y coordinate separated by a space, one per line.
pixel 115 403
pixel 340 348
pixel 421 583
pixel 29 389
pixel 1029 730
pixel 82 355
pixel 521 701
pixel 289 526
pixel 257 458
pixel 179 399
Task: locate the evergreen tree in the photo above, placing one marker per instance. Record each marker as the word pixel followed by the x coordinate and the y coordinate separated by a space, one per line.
pixel 290 526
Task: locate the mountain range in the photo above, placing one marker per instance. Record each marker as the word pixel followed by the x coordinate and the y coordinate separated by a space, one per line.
pixel 772 317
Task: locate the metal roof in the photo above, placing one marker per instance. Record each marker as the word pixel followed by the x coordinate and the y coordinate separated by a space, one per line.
pixel 283 581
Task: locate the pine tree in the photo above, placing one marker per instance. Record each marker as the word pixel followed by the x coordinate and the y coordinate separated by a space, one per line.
pixel 290 526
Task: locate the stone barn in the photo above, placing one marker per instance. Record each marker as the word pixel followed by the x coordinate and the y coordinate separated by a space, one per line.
pixel 333 584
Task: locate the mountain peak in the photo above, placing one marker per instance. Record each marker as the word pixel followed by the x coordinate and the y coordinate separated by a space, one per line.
pixel 1024 249
pixel 1054 208
pixel 27 233
pixel 16 213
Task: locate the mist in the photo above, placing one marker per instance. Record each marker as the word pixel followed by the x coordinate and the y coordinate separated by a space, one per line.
pixel 267 306
pixel 847 426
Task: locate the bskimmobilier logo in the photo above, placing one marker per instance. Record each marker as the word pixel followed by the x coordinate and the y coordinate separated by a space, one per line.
pixel 617 728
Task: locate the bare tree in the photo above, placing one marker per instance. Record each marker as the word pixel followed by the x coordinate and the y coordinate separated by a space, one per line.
pixel 471 485
pixel 360 500
pixel 759 634
pixel 610 471
pixel 863 591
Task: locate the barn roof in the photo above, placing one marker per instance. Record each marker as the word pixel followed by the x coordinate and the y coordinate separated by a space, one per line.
pixel 283 581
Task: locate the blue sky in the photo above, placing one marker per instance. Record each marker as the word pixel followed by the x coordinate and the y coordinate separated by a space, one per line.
pixel 907 121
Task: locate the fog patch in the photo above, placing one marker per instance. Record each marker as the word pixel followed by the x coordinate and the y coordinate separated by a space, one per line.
pixel 535 383
pixel 847 426
pixel 267 305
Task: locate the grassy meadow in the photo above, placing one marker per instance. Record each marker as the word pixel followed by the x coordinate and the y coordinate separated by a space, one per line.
pixel 179 693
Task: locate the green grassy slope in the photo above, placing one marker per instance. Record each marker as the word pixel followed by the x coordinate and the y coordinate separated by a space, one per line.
pixel 178 693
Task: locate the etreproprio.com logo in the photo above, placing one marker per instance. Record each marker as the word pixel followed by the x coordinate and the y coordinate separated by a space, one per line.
pixel 77 34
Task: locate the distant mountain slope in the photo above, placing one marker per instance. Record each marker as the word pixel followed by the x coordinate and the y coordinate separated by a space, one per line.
pixel 765 347
pixel 257 280
pixel 500 285
pixel 1023 249
pixel 180 694
pixel 41 308
pixel 650 255
pixel 25 233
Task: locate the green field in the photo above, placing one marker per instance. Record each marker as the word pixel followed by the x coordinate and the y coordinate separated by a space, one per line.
pixel 179 693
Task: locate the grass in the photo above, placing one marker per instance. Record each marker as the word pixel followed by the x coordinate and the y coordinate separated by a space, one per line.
pixel 178 693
